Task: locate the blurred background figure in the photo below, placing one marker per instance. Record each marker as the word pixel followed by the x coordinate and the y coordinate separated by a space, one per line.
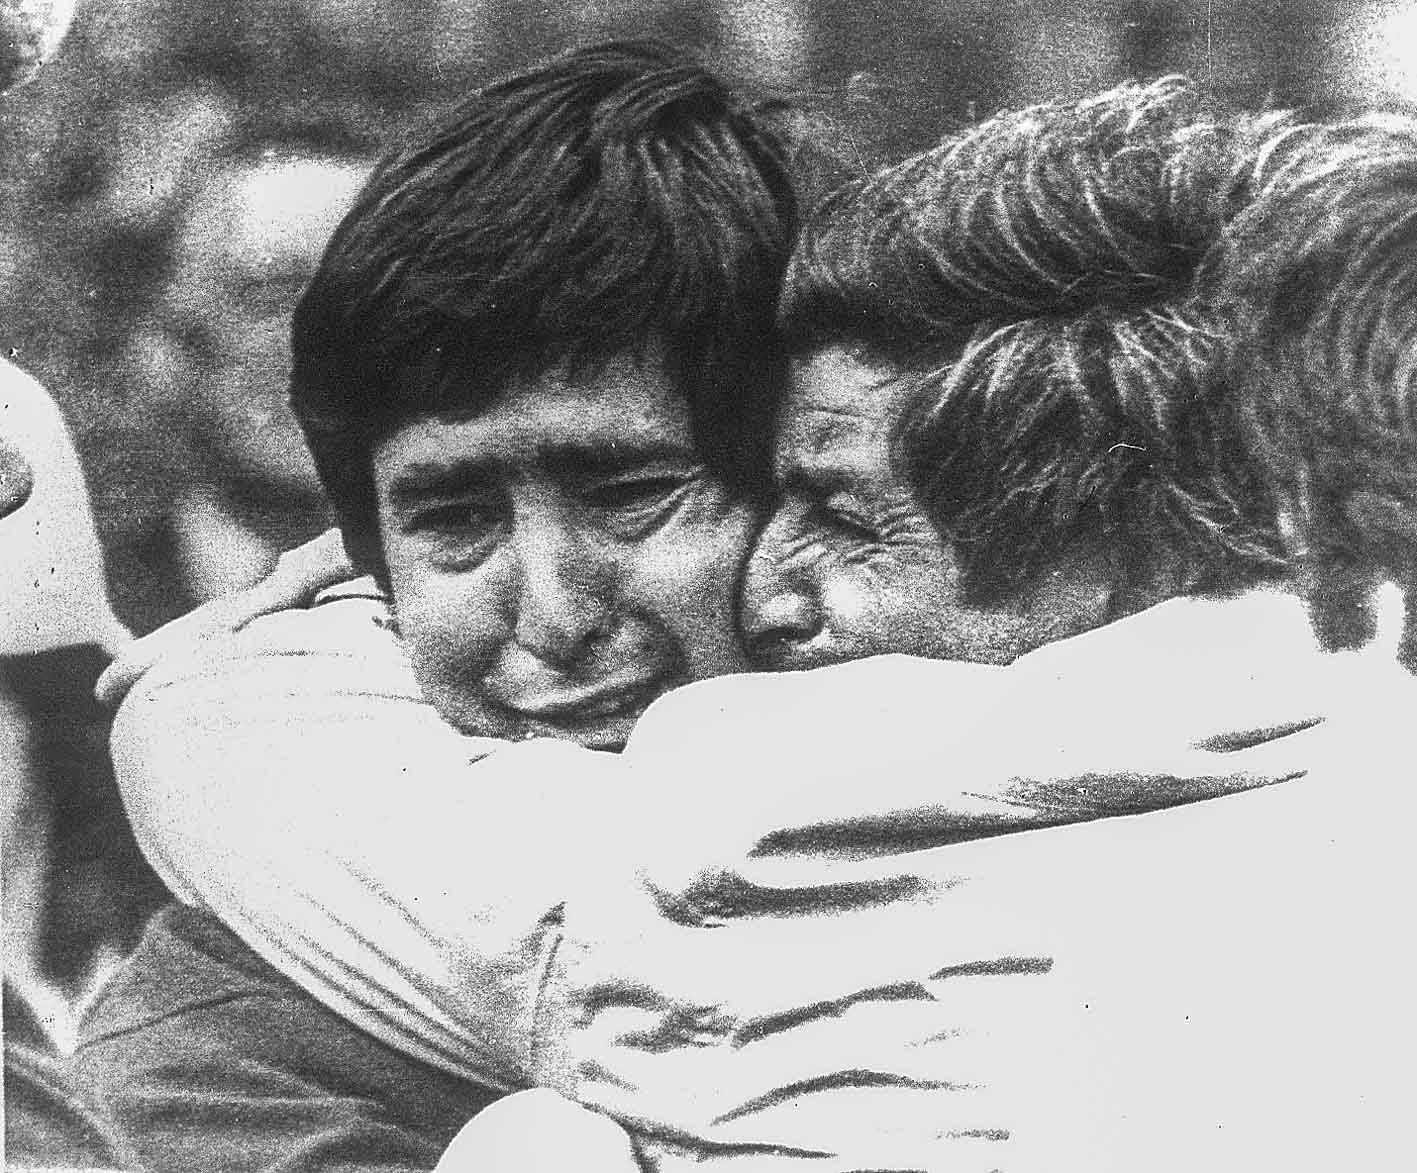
pixel 216 346
pixel 56 630
pixel 32 30
pixel 75 889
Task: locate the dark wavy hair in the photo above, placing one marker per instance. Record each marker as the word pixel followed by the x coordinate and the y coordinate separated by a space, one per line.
pixel 612 198
pixel 1320 275
pixel 1041 275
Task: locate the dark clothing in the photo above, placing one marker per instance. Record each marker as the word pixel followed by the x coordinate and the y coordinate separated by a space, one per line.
pixel 99 890
pixel 207 1058
pixel 46 1122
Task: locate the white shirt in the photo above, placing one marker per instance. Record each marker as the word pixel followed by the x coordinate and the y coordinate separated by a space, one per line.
pixel 291 781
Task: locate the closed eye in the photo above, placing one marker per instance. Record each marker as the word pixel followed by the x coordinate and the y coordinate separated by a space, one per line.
pixel 453 517
pixel 631 508
pixel 458 535
pixel 848 524
pixel 629 494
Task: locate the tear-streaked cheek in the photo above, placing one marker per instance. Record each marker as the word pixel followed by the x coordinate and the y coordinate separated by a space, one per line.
pixel 455 626
pixel 683 580
pixel 881 599
pixel 854 605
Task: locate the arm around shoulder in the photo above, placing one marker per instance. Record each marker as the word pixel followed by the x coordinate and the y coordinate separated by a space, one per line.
pixel 290 779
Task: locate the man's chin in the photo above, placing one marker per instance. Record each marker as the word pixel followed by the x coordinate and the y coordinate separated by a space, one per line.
pixel 606 732
pixel 604 740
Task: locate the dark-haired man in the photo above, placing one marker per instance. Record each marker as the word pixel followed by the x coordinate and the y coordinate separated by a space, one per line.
pixel 535 369
pixel 1021 346
pixel 480 501
pixel 536 373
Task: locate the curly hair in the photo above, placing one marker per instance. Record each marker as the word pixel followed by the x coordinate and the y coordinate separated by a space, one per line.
pixel 1041 276
pixel 1320 277
pixel 611 198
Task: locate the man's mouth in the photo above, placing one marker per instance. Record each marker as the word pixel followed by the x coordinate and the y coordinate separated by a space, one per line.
pixel 597 713
pixel 590 704
pixel 601 719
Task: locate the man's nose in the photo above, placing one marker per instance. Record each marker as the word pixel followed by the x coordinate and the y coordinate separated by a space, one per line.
pixel 563 614
pixel 781 611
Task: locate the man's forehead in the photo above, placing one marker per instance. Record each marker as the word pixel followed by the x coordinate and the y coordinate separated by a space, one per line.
pixel 489 444
pixel 629 401
pixel 840 410
pixel 835 391
pixel 620 415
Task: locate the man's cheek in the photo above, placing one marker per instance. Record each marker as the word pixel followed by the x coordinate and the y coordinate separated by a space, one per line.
pixel 703 549
pixel 875 603
pixel 452 624
pixel 688 576
pixel 852 607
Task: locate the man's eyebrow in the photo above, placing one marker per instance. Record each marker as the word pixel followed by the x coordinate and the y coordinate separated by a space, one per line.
pixel 588 459
pixel 425 480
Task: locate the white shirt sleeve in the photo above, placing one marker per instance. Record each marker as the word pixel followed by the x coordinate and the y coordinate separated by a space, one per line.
pixel 291 781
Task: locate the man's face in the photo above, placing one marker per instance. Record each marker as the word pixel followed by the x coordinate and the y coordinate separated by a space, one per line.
pixel 849 566
pixel 560 560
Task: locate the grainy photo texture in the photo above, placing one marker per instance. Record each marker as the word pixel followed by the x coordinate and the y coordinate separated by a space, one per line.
pixel 692 584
